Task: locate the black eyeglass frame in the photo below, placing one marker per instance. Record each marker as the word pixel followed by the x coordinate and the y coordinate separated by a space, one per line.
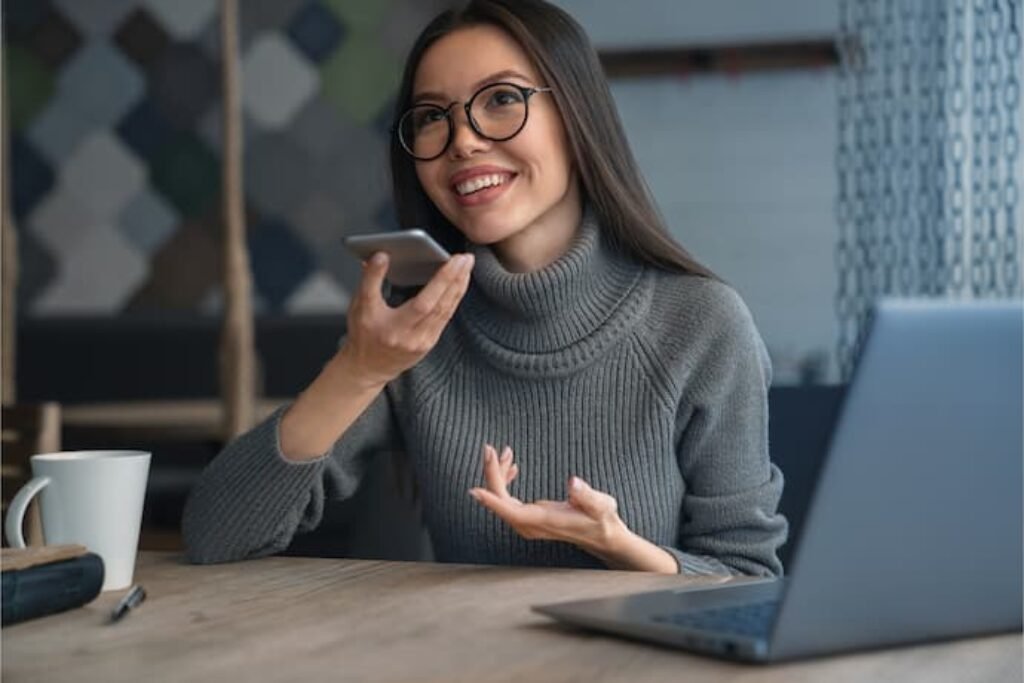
pixel 526 91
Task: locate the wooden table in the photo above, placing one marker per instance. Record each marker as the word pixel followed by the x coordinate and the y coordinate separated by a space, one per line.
pixel 297 619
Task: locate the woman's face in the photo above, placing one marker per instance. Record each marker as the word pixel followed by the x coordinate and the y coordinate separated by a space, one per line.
pixel 536 190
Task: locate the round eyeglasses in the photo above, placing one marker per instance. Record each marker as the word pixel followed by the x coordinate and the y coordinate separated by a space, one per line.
pixel 496 112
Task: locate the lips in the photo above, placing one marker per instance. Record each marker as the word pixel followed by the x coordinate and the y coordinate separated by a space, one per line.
pixel 478 178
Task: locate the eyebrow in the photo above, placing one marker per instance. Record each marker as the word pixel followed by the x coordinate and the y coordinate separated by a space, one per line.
pixel 498 76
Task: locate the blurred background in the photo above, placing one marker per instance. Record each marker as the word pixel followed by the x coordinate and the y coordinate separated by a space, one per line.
pixel 817 154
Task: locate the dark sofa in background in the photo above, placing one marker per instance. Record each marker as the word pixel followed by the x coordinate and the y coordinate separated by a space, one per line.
pixel 88 360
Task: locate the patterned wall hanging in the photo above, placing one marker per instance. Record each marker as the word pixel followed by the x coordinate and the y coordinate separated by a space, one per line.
pixel 929 156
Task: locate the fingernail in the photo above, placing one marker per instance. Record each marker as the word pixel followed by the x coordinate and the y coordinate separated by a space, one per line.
pixel 575 484
pixel 474 495
pixel 379 258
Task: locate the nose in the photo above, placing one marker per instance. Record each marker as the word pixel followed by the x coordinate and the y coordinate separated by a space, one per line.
pixel 465 140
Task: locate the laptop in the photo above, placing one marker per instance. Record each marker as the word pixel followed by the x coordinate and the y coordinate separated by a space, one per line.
pixel 914 530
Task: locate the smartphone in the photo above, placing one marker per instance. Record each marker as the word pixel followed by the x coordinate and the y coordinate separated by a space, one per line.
pixel 414 255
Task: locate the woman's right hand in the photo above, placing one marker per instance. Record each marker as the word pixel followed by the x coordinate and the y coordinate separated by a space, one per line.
pixel 383 342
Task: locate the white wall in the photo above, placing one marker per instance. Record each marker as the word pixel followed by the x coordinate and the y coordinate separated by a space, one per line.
pixel 742 168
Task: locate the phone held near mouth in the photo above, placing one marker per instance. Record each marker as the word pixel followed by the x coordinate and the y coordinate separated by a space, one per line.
pixel 414 255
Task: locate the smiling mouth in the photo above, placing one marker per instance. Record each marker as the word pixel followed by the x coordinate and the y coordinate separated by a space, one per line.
pixel 482 182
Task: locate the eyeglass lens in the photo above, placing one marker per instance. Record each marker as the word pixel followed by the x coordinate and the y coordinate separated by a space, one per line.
pixel 497 112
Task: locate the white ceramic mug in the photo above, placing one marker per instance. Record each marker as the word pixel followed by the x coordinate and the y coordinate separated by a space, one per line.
pixel 93 498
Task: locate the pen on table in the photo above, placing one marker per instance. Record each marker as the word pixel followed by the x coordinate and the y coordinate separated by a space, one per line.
pixel 132 599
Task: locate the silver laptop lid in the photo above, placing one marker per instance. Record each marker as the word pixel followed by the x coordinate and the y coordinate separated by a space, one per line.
pixel 924 478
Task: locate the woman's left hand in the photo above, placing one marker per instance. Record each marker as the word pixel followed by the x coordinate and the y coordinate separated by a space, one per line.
pixel 587 518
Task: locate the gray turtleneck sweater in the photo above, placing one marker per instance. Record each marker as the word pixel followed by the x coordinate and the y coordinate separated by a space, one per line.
pixel 650 386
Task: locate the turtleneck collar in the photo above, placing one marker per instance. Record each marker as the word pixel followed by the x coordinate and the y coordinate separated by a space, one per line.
pixel 576 305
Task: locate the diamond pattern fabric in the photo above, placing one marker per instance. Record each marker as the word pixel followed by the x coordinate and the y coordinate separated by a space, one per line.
pixel 54 40
pixel 100 278
pixel 58 129
pixel 188 174
pixel 146 130
pixel 37 267
pixel 183 19
pixel 101 83
pixel 30 85
pixel 147 221
pixel 115 115
pixel 141 38
pixel 276 81
pixel 319 294
pixel 94 18
pixel 35 177
pixel 280 261
pixel 184 82
pixel 103 174
pixel 360 78
pixel 315 31
pixel 272 191
pixel 359 14
pixel 57 221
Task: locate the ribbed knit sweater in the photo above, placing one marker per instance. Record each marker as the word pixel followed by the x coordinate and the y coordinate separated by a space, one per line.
pixel 650 386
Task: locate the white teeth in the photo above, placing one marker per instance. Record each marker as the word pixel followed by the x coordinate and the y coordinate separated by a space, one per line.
pixel 479 183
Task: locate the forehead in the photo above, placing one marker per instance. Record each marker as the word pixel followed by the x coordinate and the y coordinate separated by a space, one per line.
pixel 468 55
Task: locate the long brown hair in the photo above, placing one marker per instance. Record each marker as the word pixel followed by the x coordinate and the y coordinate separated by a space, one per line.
pixel 612 183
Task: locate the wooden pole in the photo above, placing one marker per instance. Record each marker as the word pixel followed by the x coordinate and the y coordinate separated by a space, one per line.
pixel 237 350
pixel 9 247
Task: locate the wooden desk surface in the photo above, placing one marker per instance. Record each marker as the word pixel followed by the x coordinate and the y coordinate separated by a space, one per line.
pixel 297 619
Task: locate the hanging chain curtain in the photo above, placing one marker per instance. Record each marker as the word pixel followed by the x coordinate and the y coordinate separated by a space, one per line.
pixel 929 159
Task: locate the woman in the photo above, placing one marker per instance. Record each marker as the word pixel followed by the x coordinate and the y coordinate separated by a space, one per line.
pixel 574 390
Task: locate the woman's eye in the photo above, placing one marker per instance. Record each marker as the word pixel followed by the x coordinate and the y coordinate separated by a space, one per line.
pixel 429 117
pixel 503 98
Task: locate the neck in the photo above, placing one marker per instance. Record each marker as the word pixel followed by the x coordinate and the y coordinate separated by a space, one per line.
pixel 587 297
pixel 544 241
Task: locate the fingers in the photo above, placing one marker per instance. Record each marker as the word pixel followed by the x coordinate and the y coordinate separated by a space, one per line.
pixel 505 460
pixel 434 323
pixel 545 519
pixel 514 511
pixel 374 272
pixel 451 275
pixel 499 470
pixel 390 337
pixel 509 469
pixel 593 503
pixel 583 519
pixel 492 472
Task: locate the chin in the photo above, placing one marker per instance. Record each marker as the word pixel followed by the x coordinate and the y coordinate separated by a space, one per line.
pixel 486 232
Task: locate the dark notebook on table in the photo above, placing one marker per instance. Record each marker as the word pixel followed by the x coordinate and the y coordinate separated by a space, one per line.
pixel 914 532
pixel 46 580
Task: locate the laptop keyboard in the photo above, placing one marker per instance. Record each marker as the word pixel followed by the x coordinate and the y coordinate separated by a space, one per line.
pixel 750 619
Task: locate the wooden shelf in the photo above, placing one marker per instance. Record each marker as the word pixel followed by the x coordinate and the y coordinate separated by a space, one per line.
pixel 185 419
pixel 725 59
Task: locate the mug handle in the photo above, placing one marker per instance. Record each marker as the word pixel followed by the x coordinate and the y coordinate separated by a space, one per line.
pixel 16 514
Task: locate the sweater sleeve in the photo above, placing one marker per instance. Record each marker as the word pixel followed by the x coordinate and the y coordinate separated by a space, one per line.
pixel 250 501
pixel 729 518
